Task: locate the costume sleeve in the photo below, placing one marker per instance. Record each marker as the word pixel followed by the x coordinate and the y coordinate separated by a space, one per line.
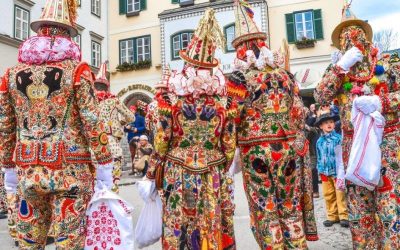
pixel 7 126
pixel 340 182
pixel 228 137
pixel 126 115
pixel 297 123
pixel 128 130
pixel 390 101
pixel 140 124
pixel 89 113
pixel 331 82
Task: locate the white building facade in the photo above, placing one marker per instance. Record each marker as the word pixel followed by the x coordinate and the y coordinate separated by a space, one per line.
pixel 15 28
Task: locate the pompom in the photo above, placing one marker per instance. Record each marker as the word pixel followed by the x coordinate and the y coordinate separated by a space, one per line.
pixel 347 86
pixel 374 81
pixel 379 70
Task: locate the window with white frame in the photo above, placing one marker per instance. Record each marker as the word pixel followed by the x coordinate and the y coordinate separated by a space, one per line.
pixel 133 6
pixel 95 7
pixel 143 48
pixel 96 54
pixel 126 51
pixel 21 23
pixel 304 25
pixel 179 42
pixel 134 50
pixel 77 40
pixel 229 36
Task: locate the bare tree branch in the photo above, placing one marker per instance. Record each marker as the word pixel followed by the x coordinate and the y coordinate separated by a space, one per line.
pixel 386 39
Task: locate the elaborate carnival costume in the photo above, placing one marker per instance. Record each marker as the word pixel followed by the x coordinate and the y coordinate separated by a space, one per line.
pixel 114 115
pixel 272 145
pixel 357 70
pixel 49 118
pixel 195 145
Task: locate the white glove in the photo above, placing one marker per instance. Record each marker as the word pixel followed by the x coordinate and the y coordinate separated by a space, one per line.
pixel 104 174
pixel 351 57
pixel 10 180
pixel 251 57
pixel 268 56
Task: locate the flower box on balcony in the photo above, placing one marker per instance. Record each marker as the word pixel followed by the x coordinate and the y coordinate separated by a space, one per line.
pixel 305 43
pixel 126 66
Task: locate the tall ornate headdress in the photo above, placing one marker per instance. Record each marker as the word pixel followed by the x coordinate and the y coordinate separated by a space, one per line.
pixel 245 27
pixel 207 37
pixel 59 13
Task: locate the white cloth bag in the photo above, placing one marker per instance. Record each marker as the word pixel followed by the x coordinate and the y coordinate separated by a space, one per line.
pixel 149 226
pixel 364 166
pixel 236 166
pixel 109 224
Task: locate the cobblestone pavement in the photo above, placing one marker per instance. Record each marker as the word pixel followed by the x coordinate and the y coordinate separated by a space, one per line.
pixel 330 238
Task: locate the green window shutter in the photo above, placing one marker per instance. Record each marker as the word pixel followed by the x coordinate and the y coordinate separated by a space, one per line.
pixel 134 50
pixel 175 1
pixel 119 52
pixel 143 4
pixel 122 7
pixel 318 27
pixel 290 29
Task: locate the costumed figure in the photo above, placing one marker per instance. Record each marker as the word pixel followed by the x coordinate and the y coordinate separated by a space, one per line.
pixel 114 115
pixel 355 71
pixel 194 148
pixel 49 118
pixel 273 147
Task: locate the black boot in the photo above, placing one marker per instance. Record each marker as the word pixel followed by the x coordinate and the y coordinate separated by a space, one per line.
pixel 344 223
pixel 329 223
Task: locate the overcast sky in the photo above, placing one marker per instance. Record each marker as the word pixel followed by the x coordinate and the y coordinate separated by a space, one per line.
pixel 384 14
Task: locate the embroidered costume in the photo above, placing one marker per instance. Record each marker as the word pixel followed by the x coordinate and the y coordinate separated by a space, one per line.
pixel 373 215
pixel 114 116
pixel 49 118
pixel 273 147
pixel 194 146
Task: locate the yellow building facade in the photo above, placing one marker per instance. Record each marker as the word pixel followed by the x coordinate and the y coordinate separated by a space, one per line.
pixel 138 45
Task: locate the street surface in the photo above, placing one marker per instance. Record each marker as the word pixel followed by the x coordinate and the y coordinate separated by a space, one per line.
pixel 330 238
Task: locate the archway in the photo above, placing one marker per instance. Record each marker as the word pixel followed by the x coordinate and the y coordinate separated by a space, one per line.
pixel 133 99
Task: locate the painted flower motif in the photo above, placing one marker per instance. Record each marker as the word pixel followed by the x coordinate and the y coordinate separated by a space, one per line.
pixel 367 222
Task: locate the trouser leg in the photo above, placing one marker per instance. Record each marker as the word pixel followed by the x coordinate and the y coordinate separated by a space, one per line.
pixel 34 220
pixel 289 193
pixel 132 148
pixel 362 216
pixel 388 209
pixel 328 191
pixel 342 205
pixel 228 208
pixel 12 204
pixel 315 180
pixel 3 196
pixel 260 191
